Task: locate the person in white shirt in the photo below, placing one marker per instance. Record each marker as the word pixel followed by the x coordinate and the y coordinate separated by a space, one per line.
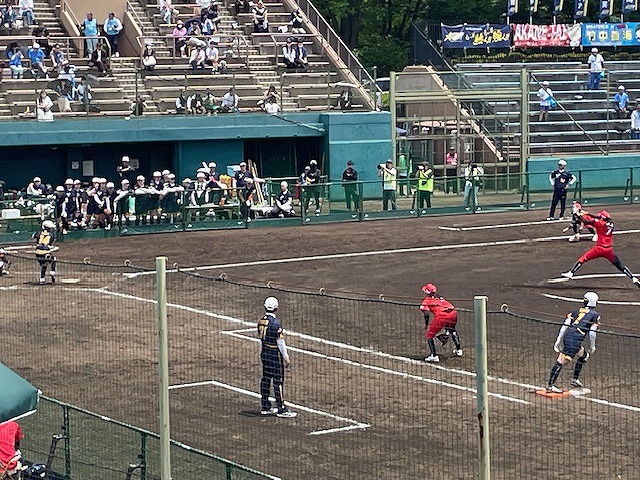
pixel 230 101
pixel 472 180
pixel 289 54
pixel 389 176
pixel 26 11
pixel 635 123
pixel 596 67
pixel 545 95
pixel 197 58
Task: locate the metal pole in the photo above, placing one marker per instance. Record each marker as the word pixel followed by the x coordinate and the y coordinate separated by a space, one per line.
pixel 393 109
pixel 524 119
pixel 482 398
pixel 163 367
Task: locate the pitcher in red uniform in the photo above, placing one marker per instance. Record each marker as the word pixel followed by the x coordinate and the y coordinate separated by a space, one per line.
pixel 444 317
pixel 603 226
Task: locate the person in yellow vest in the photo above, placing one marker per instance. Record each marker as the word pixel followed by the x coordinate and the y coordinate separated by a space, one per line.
pixel 44 250
pixel 424 175
pixel 389 176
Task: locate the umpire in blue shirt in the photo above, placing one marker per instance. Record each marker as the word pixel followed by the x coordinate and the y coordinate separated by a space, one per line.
pixel 560 179
pixel 274 358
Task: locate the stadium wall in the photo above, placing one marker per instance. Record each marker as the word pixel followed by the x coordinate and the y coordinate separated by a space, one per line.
pixel 52 149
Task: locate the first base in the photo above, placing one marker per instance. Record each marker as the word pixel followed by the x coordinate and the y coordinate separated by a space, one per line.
pixel 545 393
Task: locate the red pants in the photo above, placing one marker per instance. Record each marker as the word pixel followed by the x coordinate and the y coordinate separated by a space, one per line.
pixel 598 252
pixel 447 320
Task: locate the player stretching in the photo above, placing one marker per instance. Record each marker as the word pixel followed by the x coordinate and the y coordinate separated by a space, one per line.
pixel 444 317
pixel 603 226
pixel 575 328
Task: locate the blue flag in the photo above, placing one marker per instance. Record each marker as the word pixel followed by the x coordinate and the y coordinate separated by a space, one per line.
pixel 533 6
pixel 605 9
pixel 512 7
pixel 580 9
pixel 629 6
pixel 557 6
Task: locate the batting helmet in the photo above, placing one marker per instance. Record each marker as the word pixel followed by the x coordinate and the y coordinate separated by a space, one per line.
pixel 591 299
pixel 271 304
pixel 48 224
pixel 604 214
pixel 429 288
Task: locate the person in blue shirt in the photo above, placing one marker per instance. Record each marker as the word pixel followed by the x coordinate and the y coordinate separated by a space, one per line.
pixel 15 63
pixel 576 327
pixel 112 27
pixel 274 358
pixel 621 102
pixel 36 57
pixel 89 29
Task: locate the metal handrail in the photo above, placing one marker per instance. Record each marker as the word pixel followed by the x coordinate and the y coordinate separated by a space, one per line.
pixel 134 14
pixel 64 7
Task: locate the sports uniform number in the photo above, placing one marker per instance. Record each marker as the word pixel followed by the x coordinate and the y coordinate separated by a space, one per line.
pixel 262 328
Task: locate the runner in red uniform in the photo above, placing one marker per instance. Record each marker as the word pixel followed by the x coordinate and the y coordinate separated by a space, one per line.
pixel 444 317
pixel 603 226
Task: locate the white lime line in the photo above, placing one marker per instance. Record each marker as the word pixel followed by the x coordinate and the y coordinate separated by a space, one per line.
pixel 354 424
pixel 388 371
pixel 580 300
pixel 590 275
pixel 19 247
pixel 501 225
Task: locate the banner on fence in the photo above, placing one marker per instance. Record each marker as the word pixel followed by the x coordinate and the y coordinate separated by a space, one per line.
pixel 512 7
pixel 527 35
pixel 476 36
pixel 629 6
pixel 611 34
pixel 605 9
pixel 580 10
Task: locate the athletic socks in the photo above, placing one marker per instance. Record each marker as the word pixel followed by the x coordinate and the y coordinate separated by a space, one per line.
pixel 555 371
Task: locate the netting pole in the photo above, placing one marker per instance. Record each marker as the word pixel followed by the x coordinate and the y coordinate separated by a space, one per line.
pixel 163 367
pixel 482 399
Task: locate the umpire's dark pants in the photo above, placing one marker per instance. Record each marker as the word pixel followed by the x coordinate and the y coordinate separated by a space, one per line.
pixel 272 370
pixel 559 195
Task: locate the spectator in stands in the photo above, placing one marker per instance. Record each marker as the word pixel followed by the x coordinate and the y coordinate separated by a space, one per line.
pixel 194 29
pixel 208 27
pixel 451 171
pixel 241 6
pixel 197 58
pixel 148 56
pixel 65 91
pixel 289 54
pixel 112 28
pixel 89 29
pixel 181 102
pixel 635 122
pixel 297 22
pixel 15 63
pixel 43 106
pixel 36 57
pixel 100 58
pixel 301 60
pixel 138 106
pixel 209 102
pixel 230 102
pixel 545 95
pixel 57 57
pixel 180 38
pixel 10 456
pixel 36 188
pixel 41 34
pixel 212 56
pixel 621 102
pixel 167 11
pixel 84 94
pixel 345 100
pixel 195 104
pixel 596 69
pixel 26 11
pixel 9 17
pixel 270 101
pixel 212 18
pixel 260 21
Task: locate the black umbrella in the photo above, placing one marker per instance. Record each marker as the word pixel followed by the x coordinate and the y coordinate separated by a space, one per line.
pixel 61 86
pixel 190 22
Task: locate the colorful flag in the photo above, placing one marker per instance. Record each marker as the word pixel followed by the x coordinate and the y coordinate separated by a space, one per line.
pixel 605 9
pixel 629 6
pixel 581 9
pixel 533 6
pixel 512 7
pixel 557 6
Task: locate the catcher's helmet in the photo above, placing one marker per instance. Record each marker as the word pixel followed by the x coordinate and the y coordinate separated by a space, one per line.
pixel 271 304
pixel 591 299
pixel 604 214
pixel 429 288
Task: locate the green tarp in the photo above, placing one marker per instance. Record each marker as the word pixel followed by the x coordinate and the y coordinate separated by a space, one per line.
pixel 17 396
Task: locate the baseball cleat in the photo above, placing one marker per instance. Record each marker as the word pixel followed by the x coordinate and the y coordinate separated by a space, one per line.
pixel 636 281
pixel 574 238
pixel 554 389
pixel 42 281
pixel 567 274
pixel 550 219
pixel 287 414
pixel 576 383
pixel 457 352
pixel 270 411
pixel 432 359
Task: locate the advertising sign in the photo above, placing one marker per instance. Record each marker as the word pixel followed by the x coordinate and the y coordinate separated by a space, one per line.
pixel 476 36
pixel 610 34
pixel 527 35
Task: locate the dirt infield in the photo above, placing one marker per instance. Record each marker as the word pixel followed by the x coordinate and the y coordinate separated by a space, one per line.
pixel 369 407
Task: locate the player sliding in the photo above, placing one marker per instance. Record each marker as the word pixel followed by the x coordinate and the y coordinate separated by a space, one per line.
pixel 603 227
pixel 575 328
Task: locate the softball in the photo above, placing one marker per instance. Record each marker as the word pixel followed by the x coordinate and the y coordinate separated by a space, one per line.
pixel 504 308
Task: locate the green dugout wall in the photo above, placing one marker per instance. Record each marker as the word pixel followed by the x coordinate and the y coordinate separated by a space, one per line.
pixel 281 145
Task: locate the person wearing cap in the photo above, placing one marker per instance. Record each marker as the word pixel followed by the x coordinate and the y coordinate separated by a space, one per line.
pixel 124 169
pixel 560 179
pixel 596 69
pixel 148 56
pixel 283 202
pixel 301 60
pixel 112 27
pixel 621 102
pixel 445 318
pixel 211 166
pixel 109 209
pixel 171 199
pixel 36 57
pixel 260 22
pixel 180 38
pixel 451 171
pixel 545 96
pixel 350 185
pixel 59 207
pixel 165 175
pixel 246 196
pixel 389 176
pixel 123 201
pixel 89 29
pixel 424 178
pixel 36 188
pixel 289 54
pixel 312 187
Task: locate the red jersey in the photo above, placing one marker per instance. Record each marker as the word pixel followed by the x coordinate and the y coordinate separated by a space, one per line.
pixel 10 433
pixel 603 228
pixel 437 305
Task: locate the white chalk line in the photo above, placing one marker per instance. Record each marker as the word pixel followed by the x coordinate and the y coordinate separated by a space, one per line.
pixel 235 320
pixel 501 225
pixel 581 277
pixel 580 300
pixel 333 256
pixel 354 424
pixel 388 371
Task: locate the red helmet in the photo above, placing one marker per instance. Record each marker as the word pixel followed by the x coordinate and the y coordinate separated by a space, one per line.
pixel 429 288
pixel 604 214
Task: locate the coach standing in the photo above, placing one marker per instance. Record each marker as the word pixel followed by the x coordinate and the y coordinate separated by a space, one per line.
pixel 275 359
pixel 560 179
